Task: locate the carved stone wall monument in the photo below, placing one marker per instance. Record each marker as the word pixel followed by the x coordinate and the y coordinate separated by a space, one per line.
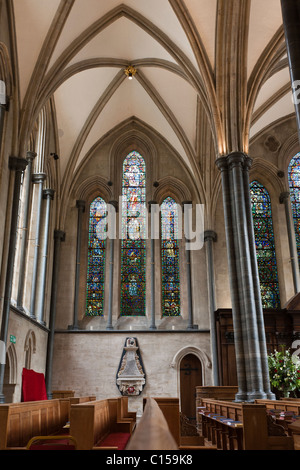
pixel 131 376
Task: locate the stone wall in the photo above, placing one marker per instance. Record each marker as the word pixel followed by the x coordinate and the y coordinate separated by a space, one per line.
pixel 88 362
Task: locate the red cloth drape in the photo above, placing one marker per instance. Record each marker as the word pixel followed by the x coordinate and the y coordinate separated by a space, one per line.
pixel 33 386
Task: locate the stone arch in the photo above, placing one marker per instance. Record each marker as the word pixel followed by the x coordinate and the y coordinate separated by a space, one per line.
pixel 10 375
pixel 201 355
pixel 29 348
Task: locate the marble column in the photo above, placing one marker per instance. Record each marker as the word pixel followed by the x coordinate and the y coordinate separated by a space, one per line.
pixel 48 195
pixel 236 162
pixel 256 282
pixel 81 209
pixel 152 206
pixel 247 307
pixel 285 199
pixel 112 221
pixel 3 107
pixel 16 165
pixel 239 335
pixel 37 178
pixel 210 237
pixel 59 237
pixel 291 23
pixel 23 250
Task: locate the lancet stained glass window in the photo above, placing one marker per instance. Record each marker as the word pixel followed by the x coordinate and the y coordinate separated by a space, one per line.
pixel 265 245
pixel 96 257
pixel 294 185
pixel 170 258
pixel 133 243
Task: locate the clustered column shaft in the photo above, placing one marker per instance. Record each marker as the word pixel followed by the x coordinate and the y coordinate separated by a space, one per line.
pixel 251 356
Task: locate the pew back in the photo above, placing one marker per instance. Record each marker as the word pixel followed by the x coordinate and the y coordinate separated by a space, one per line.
pixel 19 422
pixel 92 422
pixel 252 432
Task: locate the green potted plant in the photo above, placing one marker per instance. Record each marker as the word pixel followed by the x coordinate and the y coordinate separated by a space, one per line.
pixel 284 370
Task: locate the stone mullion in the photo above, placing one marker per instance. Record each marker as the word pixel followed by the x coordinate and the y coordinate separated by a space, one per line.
pixel 59 237
pixel 285 199
pixel 209 238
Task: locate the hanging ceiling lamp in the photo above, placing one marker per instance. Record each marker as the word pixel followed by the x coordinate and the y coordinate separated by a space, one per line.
pixel 130 71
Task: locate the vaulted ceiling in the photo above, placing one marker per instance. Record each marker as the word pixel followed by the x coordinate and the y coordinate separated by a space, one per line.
pixel 224 58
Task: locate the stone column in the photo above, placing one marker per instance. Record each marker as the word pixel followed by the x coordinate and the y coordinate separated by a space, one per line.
pixel 48 195
pixel 37 178
pixel 27 192
pixel 239 336
pixel 81 209
pixel 247 307
pixel 285 199
pixel 112 222
pixel 210 237
pixel 59 237
pixel 152 242
pixel 291 23
pixel 256 282
pixel 17 165
pixel 3 107
pixel 236 162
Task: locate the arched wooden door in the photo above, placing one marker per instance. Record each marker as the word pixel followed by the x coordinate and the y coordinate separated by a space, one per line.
pixel 190 378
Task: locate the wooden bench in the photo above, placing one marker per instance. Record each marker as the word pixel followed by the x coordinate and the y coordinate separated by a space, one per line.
pixel 19 422
pixel 241 426
pixel 171 412
pixel 95 425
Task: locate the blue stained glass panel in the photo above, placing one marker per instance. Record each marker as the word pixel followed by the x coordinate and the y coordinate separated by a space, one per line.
pixel 294 185
pixel 170 258
pixel 96 257
pixel 265 245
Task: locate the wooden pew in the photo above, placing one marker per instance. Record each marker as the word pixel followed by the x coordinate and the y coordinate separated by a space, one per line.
pixel 171 413
pixel 95 425
pixel 19 422
pixel 152 431
pixel 241 426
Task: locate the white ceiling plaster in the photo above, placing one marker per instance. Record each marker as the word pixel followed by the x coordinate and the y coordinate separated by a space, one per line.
pixel 131 100
pixel 265 20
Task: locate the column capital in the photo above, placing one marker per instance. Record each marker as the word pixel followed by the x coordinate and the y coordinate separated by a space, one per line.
pixel 115 204
pixel 48 193
pixel 284 196
pixel 17 163
pixel 80 205
pixel 236 159
pixel 38 177
pixel 150 204
pixel 185 203
pixel 30 156
pixel 210 235
pixel 222 163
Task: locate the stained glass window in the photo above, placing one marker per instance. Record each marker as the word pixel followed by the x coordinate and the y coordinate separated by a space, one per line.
pixel 96 257
pixel 170 258
pixel 133 242
pixel 265 245
pixel 294 184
